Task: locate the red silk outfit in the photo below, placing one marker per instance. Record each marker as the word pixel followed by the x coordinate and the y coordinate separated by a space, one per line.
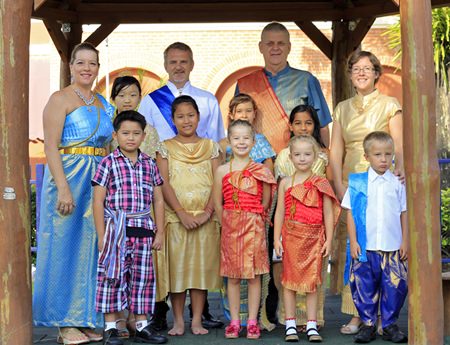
pixel 303 233
pixel 244 252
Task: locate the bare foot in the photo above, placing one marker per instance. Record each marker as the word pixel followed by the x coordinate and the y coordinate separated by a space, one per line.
pixel 198 330
pixel 177 330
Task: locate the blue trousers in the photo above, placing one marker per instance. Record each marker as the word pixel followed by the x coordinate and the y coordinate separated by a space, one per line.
pixel 380 284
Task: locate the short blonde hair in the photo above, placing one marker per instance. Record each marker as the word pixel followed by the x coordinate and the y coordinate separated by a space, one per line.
pixel 377 136
pixel 304 138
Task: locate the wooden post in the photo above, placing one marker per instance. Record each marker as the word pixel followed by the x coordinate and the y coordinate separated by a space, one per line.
pixel 422 174
pixel 15 277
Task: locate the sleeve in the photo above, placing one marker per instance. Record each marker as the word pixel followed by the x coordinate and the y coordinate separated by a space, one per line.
pixel 102 175
pixel 394 108
pixel 157 179
pixel 216 130
pixel 346 200
pixel 403 207
pixel 163 151
pixel 145 108
pixel 318 101
pixel 216 150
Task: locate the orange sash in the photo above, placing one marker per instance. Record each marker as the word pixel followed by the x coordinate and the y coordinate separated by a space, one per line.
pixel 271 120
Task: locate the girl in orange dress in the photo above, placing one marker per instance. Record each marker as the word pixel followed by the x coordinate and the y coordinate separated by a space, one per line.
pixel 306 214
pixel 242 192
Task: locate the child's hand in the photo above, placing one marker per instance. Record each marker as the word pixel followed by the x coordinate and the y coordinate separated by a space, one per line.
pixel 355 250
pixel 404 251
pixel 158 241
pixel 326 248
pixel 188 220
pixel 278 247
pixel 202 218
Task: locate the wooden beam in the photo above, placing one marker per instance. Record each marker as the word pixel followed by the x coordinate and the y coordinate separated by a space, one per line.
pixel 318 38
pixel 425 311
pixel 38 4
pixel 360 31
pixel 101 33
pixel 55 14
pixel 58 38
pixel 15 214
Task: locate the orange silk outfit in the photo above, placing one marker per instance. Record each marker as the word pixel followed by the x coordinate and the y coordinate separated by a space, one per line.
pixel 303 233
pixel 244 252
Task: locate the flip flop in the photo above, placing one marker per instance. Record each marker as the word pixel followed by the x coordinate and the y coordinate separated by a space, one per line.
pixel 91 334
pixel 65 334
pixel 350 329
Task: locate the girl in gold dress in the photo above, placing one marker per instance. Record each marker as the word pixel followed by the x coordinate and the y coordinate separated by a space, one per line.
pixel 187 163
pixel 354 118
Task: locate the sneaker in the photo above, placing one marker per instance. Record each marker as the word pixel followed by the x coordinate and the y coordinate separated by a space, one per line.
pixel 232 331
pixel 253 331
pixel 366 334
pixel 394 334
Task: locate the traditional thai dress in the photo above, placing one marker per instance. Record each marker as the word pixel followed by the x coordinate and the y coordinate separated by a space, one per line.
pixel 284 167
pixel 64 288
pixel 357 116
pixel 303 233
pixel 190 258
pixel 244 252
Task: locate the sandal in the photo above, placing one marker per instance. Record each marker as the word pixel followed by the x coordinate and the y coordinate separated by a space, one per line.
pixel 123 331
pixel 131 326
pixel 350 329
pixel 315 337
pixel 253 331
pixel 232 331
pixel 291 338
pixel 68 336
pixel 91 334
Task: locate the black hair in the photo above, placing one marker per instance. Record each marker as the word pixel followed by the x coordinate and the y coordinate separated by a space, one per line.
pixel 122 82
pixel 129 115
pixel 184 99
pixel 304 108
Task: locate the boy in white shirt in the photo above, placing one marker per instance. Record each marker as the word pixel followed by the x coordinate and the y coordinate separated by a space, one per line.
pixel 378 234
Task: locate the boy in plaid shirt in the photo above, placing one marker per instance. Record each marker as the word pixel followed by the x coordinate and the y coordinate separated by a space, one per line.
pixel 126 183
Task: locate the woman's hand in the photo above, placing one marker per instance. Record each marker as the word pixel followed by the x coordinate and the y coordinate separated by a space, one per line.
pixel 326 248
pixel 100 243
pixel 340 190
pixel 202 218
pixel 64 203
pixel 188 220
pixel 400 173
pixel 355 249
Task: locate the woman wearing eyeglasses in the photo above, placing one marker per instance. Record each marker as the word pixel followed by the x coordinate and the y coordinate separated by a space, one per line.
pixel 354 118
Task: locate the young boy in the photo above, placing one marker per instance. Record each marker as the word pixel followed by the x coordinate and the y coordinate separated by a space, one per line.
pixel 378 235
pixel 126 183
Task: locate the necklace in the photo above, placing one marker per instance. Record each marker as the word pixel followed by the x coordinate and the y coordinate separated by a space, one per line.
pixel 86 101
pixel 235 196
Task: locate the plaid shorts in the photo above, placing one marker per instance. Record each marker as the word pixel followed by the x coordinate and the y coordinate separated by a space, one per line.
pixel 136 289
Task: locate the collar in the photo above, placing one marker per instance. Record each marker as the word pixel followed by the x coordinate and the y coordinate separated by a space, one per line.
pixel 280 73
pixel 388 175
pixel 367 98
pixel 176 91
pixel 141 155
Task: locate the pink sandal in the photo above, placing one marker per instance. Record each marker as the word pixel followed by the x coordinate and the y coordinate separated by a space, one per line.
pixel 253 331
pixel 233 329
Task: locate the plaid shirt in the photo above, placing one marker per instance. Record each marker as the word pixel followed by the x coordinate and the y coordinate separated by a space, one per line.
pixel 129 187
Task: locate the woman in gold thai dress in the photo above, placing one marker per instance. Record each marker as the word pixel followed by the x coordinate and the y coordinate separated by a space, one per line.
pixel 354 118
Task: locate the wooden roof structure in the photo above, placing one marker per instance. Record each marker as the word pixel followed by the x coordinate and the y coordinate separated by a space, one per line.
pixel 351 19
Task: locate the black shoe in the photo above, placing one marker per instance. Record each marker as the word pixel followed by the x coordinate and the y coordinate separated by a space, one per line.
pixel 158 323
pixel 111 337
pixel 149 336
pixel 366 334
pixel 394 334
pixel 208 321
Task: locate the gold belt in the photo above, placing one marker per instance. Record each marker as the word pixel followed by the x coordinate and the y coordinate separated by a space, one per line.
pixel 85 150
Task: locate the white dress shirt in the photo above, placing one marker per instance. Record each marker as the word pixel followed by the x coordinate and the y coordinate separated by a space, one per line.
pixel 210 125
pixel 386 200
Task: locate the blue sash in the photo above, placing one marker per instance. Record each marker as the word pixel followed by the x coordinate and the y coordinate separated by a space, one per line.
pixel 163 99
pixel 357 186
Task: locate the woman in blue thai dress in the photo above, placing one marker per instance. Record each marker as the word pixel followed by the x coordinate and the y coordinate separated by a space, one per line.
pixel 77 129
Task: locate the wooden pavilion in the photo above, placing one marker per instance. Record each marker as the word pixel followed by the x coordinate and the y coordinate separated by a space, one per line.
pixel 351 20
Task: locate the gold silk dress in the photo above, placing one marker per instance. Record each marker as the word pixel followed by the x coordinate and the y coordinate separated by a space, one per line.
pixel 283 167
pixel 357 116
pixel 190 258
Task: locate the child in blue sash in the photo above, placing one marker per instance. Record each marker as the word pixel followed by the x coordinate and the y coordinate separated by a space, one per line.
pixel 378 234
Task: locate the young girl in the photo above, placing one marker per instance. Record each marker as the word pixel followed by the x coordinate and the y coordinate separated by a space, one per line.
pixel 306 213
pixel 187 163
pixel 126 95
pixel 242 192
pixel 302 120
pixel 243 107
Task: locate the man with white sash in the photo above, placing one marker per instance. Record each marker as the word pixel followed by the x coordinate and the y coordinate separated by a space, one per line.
pixel 278 88
pixel 156 107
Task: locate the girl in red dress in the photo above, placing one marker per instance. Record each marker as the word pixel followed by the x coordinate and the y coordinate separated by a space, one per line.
pixel 242 192
pixel 306 214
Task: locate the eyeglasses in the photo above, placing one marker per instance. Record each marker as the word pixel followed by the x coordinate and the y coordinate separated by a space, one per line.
pixel 366 70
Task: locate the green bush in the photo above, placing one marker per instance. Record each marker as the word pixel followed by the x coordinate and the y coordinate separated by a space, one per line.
pixel 445 222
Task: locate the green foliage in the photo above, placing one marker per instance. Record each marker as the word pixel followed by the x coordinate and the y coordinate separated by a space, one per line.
pixel 445 221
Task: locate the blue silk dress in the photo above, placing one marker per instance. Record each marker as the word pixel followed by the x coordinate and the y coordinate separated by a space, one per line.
pixel 65 279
